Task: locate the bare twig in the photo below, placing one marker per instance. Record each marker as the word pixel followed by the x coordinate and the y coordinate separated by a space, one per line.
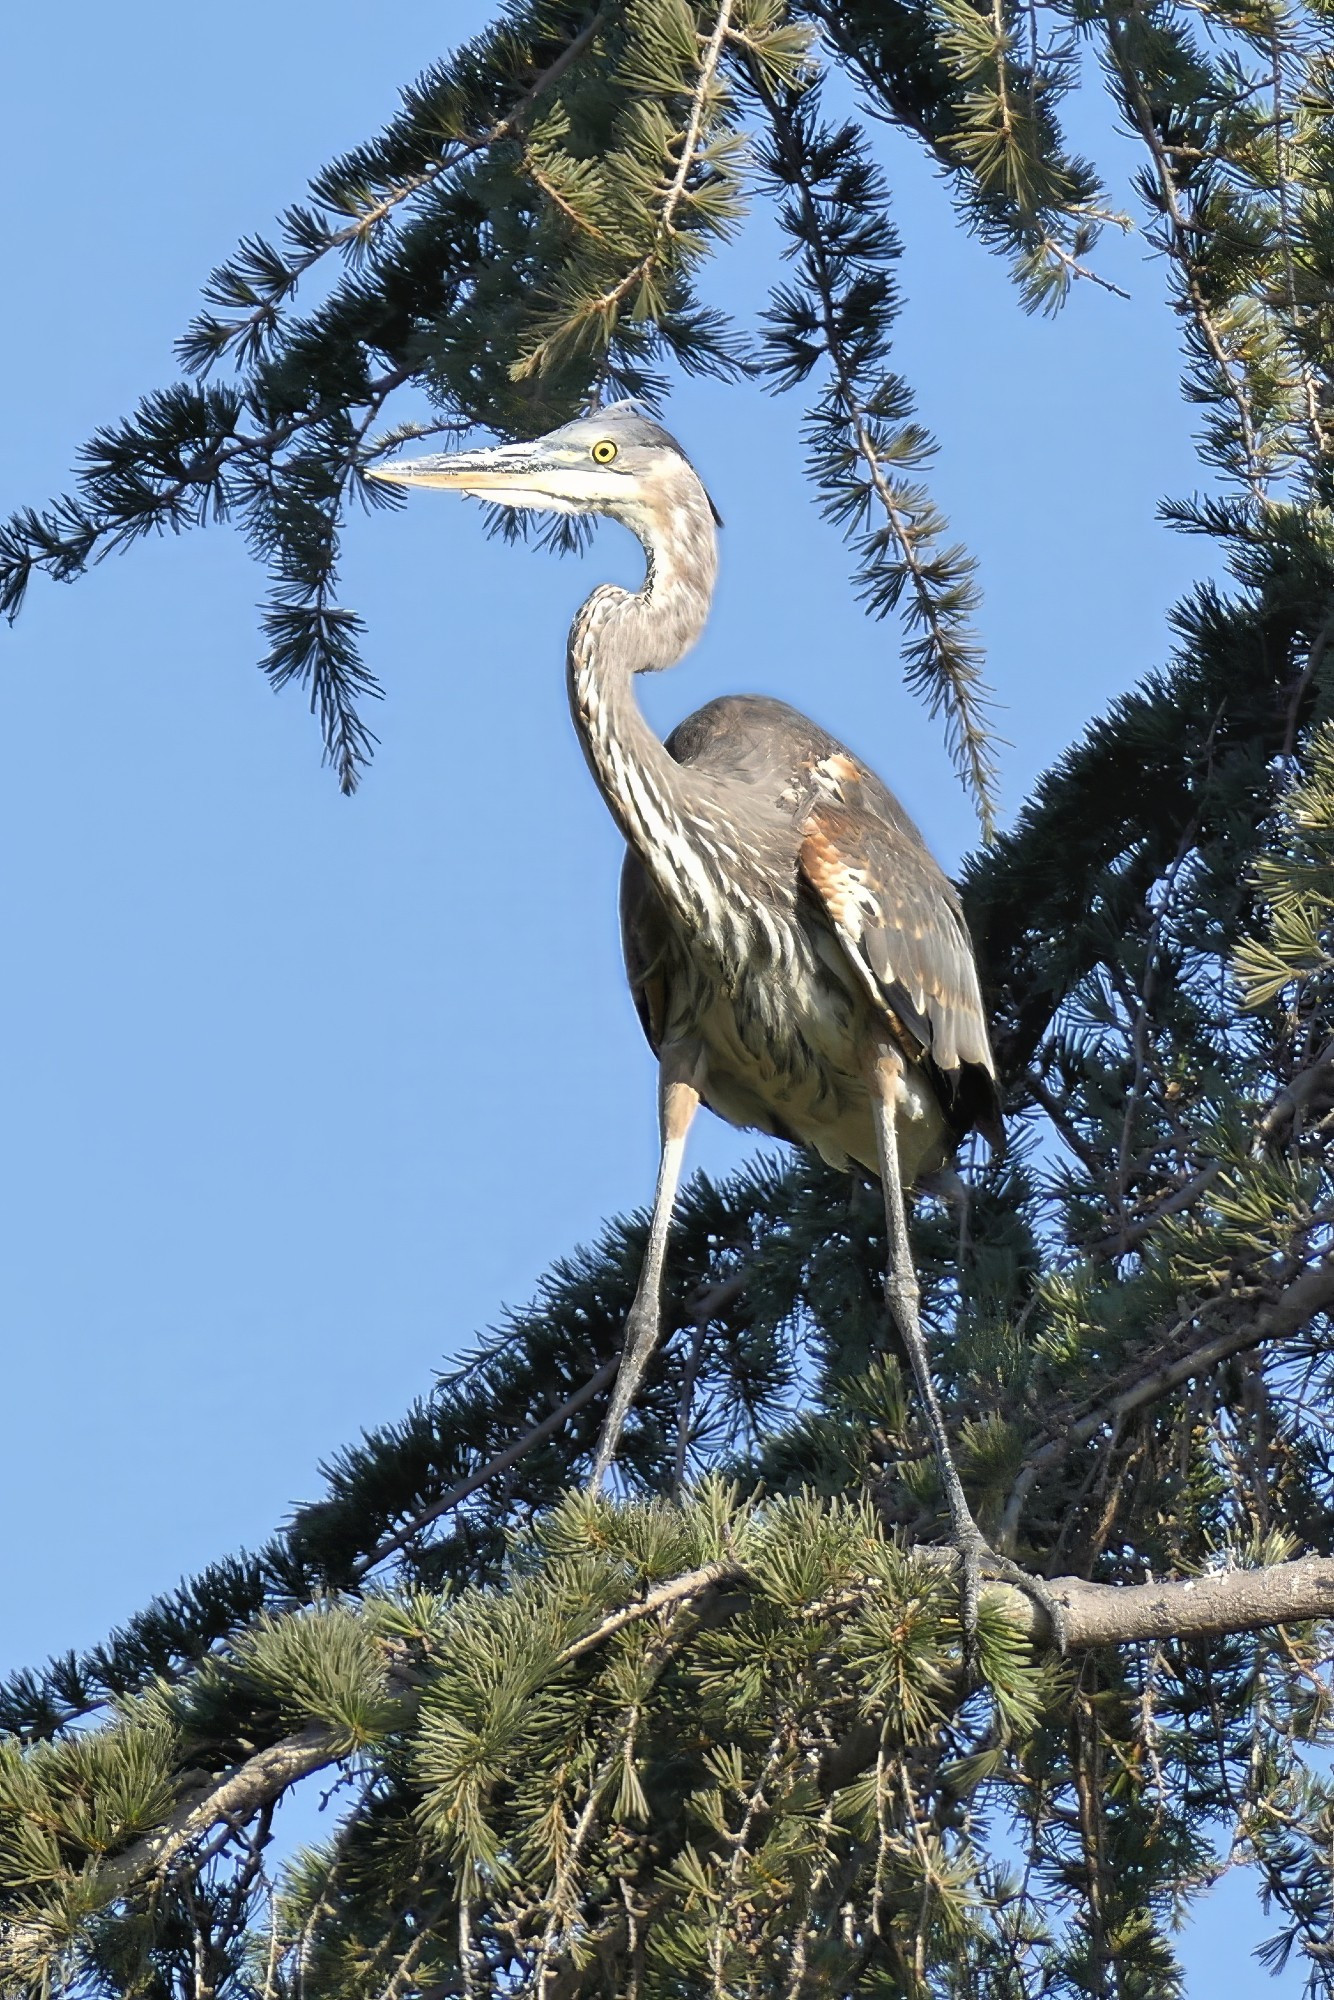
pixel 1317 653
pixel 1287 1103
pixel 1060 1118
pixel 706 1306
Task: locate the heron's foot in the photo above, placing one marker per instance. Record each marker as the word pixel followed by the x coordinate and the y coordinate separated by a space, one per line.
pixel 975 1556
pixel 978 1564
pixel 1002 1570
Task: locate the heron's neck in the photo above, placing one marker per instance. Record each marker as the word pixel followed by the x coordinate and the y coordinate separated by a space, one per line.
pixel 619 634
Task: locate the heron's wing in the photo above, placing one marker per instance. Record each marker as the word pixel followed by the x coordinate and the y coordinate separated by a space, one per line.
pixel 897 919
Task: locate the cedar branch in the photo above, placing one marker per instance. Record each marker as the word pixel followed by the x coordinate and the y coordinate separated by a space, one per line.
pixel 1096 1615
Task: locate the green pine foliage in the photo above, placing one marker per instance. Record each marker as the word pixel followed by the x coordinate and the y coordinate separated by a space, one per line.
pixel 865 446
pixel 1292 958
pixel 718 1736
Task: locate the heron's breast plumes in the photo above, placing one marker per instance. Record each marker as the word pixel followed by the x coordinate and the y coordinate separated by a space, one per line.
pixel 784 1034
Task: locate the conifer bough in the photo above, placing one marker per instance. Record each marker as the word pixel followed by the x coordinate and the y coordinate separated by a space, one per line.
pixel 1208 1606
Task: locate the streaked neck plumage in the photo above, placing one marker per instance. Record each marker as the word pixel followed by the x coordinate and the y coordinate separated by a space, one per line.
pixel 620 633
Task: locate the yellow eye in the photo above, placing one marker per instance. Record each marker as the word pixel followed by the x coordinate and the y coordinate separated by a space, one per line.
pixel 604 451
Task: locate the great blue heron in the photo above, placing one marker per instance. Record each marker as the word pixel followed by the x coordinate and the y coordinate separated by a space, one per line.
pixel 799 961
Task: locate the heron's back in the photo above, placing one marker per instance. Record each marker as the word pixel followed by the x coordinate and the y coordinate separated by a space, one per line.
pixel 757 740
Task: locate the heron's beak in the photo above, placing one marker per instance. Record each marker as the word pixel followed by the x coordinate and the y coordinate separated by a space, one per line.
pixel 504 467
pixel 536 475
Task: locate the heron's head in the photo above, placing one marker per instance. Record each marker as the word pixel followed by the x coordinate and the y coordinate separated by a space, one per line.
pixel 614 462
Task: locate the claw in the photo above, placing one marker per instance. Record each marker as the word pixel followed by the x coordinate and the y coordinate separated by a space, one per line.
pixel 1005 1571
pixel 979 1562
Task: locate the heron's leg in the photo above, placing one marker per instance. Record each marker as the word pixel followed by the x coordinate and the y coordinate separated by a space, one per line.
pixel 902 1295
pixel 680 1075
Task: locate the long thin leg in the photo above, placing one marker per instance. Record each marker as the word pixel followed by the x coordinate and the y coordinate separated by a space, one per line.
pixel 902 1295
pixel 679 1077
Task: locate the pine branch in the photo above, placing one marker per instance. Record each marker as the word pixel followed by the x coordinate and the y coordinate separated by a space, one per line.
pixel 780 1676
pixel 280 451
pixel 600 1379
pixel 649 279
pixel 1052 898
pixel 263 281
pixel 1208 1606
pixel 1180 241
pixel 530 1397
pixel 956 87
pixel 861 434
pixel 1285 1106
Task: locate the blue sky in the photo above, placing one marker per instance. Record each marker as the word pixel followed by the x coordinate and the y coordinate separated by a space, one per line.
pixel 299 1090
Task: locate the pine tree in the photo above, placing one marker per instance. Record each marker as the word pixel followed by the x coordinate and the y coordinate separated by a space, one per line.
pixel 718 1736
